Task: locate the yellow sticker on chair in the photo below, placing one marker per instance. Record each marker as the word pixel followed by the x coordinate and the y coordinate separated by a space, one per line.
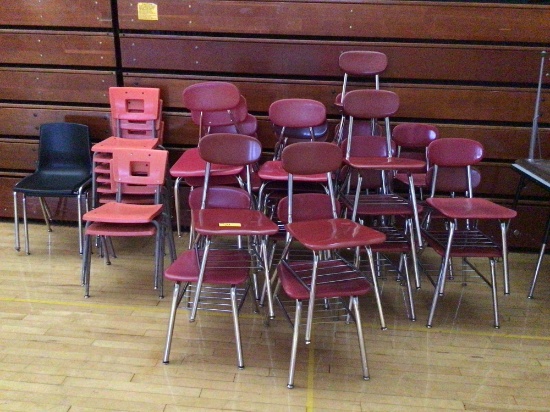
pixel 229 224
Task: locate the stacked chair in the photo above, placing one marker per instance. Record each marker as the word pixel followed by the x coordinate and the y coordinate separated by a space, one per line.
pixel 136 123
pixel 131 196
pixel 461 236
pixel 131 169
pixel 224 212
pixel 312 222
pixel 215 107
pixel 362 65
pixel 396 216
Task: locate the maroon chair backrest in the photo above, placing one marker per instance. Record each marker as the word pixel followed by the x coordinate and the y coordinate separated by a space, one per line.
pixel 307 158
pixel 295 113
pixel 220 197
pixel 370 104
pixel 230 149
pixel 307 206
pixel 414 135
pixel 224 117
pixel 453 179
pixel 455 152
pixel 368 146
pixel 363 62
pixel 211 96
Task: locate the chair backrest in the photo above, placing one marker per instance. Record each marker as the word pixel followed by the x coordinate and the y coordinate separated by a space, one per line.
pixel 362 63
pixel 65 145
pixel 308 158
pixel 370 104
pixel 293 119
pixel 229 149
pixel 412 140
pixel 139 167
pixel 456 156
pixel 220 197
pixel 214 103
pixel 134 103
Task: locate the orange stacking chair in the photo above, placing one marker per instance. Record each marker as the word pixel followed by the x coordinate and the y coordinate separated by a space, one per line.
pixel 461 237
pixel 132 168
pixel 312 222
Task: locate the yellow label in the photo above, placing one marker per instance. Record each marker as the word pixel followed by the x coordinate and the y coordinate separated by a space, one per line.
pixel 147 11
pixel 229 224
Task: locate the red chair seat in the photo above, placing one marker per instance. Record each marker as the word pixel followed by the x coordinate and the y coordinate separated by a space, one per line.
pixel 131 230
pixel 234 222
pixel 470 208
pixel 114 212
pixel 333 234
pixel 337 283
pixel 224 267
pixel 190 164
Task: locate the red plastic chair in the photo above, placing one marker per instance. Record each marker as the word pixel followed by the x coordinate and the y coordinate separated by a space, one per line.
pixel 223 212
pixel 312 221
pixel 293 115
pixel 215 107
pixel 380 104
pixel 463 238
pixel 359 64
pixel 412 140
pixel 131 168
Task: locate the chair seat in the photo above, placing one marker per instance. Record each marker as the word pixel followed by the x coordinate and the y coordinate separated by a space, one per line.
pixel 114 212
pixel 113 143
pixel 52 183
pixel 224 267
pixel 334 279
pixel 121 230
pixel 470 208
pixel 386 163
pixel 336 233
pixel 272 170
pixel 234 222
pixel 190 164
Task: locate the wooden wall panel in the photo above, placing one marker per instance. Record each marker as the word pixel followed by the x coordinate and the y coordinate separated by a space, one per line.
pixel 56 13
pixel 354 19
pixel 431 103
pixel 60 86
pixel 282 57
pixel 56 48
pixel 18 155
pixel 25 120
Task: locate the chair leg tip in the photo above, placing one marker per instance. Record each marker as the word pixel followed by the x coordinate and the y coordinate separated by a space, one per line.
pixel 366 378
pixel 165 362
pixel 290 386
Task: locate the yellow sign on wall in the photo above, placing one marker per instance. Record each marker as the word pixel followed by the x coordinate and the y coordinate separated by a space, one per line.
pixel 147 11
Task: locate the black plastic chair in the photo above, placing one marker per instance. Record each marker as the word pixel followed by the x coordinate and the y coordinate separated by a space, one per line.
pixel 64 170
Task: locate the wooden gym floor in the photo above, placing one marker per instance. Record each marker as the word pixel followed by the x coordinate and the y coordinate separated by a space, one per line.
pixel 61 352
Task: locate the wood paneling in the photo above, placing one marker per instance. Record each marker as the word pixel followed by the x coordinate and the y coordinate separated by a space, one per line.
pixel 60 86
pixel 25 120
pixel 319 58
pixel 18 155
pixel 56 48
pixel 433 102
pixel 354 19
pixel 56 13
